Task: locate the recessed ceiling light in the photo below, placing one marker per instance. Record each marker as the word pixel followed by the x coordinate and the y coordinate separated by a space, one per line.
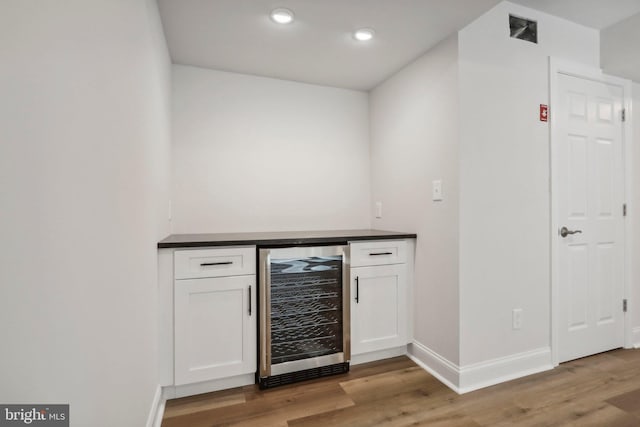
pixel 363 34
pixel 281 15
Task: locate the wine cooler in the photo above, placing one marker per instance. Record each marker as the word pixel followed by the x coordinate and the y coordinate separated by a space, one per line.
pixel 304 313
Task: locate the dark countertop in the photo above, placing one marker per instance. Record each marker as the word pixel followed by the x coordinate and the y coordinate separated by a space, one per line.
pixel 279 238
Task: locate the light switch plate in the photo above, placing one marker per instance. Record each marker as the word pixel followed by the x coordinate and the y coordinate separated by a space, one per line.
pixel 437 190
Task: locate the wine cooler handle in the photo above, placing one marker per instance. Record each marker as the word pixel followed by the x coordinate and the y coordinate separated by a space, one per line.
pixel 357 290
pixel 250 301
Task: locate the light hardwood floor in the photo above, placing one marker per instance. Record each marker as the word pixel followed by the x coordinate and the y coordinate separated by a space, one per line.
pixel 601 390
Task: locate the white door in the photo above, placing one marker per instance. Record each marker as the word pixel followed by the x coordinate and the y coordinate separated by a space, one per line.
pixel 590 190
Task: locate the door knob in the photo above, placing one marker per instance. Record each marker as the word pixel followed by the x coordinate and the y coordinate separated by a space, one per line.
pixel 564 232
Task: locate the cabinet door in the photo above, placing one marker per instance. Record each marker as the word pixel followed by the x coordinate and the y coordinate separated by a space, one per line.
pixel 378 308
pixel 215 330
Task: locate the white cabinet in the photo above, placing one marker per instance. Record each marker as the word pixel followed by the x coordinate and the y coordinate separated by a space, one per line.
pixel 215 316
pixel 379 313
pixel 378 253
pixel 198 263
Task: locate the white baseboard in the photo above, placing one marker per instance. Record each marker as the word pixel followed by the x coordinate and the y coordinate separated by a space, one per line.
pixel 173 392
pixel 378 355
pixel 496 371
pixel 635 337
pixel 438 366
pixel 463 379
pixel 157 409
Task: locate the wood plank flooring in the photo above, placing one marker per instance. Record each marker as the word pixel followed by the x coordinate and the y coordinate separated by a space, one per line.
pixel 601 390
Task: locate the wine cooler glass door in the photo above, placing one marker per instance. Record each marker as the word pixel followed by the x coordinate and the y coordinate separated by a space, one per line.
pixel 304 308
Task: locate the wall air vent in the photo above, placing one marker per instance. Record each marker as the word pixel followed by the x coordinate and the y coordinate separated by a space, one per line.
pixel 523 29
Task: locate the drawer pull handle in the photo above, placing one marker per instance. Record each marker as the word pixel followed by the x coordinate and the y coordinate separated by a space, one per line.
pixel 250 302
pixel 380 253
pixel 207 264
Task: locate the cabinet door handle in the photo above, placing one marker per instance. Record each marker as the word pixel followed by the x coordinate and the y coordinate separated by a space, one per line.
pixel 207 264
pixel 357 290
pixel 380 253
pixel 250 301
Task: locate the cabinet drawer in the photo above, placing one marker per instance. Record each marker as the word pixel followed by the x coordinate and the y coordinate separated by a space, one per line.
pixel 218 262
pixel 380 252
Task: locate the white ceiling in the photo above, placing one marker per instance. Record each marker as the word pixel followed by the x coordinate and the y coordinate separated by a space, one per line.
pixel 596 14
pixel 238 36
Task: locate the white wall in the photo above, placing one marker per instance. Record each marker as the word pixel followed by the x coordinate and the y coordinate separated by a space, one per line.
pixel 619 51
pixel 414 140
pixel 504 180
pixel 259 154
pixel 620 57
pixel 84 150
pixel 635 214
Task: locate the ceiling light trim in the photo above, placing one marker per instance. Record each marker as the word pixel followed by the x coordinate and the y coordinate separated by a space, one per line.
pixel 364 34
pixel 282 16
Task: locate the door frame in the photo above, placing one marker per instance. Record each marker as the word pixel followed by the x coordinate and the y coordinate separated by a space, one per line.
pixel 561 67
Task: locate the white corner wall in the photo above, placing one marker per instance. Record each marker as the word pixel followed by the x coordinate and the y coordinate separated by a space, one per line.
pixel 84 172
pixel 259 154
pixel 414 140
pixel 635 215
pixel 619 53
pixel 504 190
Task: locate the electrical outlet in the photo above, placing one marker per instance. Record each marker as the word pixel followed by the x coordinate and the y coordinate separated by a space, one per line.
pixel 517 318
pixel 378 209
pixel 436 190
